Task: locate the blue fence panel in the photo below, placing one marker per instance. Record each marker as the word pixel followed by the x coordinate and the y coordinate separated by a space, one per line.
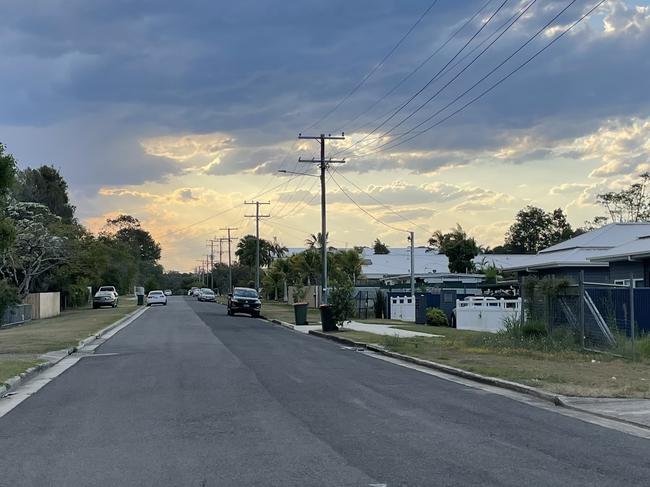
pixel 642 310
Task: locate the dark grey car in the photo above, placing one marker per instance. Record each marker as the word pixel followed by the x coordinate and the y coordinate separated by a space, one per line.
pixel 244 300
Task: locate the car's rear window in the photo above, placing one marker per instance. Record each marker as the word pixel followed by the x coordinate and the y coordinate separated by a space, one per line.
pixel 155 293
pixel 246 293
pixel 106 288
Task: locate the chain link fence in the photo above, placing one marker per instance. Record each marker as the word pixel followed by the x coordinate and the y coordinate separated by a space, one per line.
pixel 16 315
pixel 603 317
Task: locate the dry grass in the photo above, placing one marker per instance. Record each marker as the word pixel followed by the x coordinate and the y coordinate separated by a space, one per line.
pixel 568 372
pixel 21 346
pixel 284 312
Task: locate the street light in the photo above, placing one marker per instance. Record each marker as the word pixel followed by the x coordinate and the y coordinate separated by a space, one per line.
pixel 284 171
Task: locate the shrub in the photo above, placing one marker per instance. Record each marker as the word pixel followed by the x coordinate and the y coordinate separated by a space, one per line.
pixel 8 296
pixel 341 299
pixel 78 295
pixel 436 317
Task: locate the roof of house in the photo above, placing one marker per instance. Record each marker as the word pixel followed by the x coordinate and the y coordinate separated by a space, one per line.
pixel 638 248
pixel 584 250
pixel 398 261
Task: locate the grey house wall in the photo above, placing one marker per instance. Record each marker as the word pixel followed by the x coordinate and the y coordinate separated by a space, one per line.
pixel 592 274
pixel 623 269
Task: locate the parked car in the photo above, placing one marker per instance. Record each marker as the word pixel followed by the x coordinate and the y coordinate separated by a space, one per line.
pixel 156 297
pixel 105 296
pixel 191 291
pixel 168 292
pixel 207 295
pixel 196 292
pixel 244 300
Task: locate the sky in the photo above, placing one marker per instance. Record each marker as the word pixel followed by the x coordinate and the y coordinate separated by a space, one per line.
pixel 178 112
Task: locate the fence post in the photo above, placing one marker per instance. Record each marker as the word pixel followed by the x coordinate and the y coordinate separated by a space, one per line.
pixel 523 302
pixel 581 298
pixel 632 327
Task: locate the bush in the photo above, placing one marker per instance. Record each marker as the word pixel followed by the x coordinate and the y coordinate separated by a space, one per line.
pixel 341 299
pixel 436 317
pixel 8 296
pixel 78 295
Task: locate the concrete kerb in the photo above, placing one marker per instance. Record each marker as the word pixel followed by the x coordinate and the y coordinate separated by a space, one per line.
pixel 13 382
pixel 553 398
pixel 557 400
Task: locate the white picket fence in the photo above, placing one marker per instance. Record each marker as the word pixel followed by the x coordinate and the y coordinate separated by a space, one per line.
pixel 485 314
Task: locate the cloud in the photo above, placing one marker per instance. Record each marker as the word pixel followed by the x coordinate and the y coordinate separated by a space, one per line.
pixel 568 188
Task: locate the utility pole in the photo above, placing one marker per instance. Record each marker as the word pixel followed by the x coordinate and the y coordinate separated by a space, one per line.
pixel 229 239
pixel 211 242
pixel 257 217
pixel 412 239
pixel 323 164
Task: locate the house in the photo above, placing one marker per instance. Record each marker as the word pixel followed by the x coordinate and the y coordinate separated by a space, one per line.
pixel 589 253
pixel 630 260
pixel 429 266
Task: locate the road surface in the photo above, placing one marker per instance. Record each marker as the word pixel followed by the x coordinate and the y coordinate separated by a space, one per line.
pixel 187 396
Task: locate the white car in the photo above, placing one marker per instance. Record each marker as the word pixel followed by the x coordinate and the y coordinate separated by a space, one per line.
pixel 207 295
pixel 168 292
pixel 156 297
pixel 105 296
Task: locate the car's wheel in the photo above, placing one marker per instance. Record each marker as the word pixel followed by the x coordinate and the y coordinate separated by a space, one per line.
pixel 95 306
pixel 255 314
pixel 165 303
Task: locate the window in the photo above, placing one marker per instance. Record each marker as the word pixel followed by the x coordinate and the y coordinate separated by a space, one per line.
pixel 626 282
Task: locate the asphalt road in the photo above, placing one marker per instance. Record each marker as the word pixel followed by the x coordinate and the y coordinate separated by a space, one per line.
pixel 187 396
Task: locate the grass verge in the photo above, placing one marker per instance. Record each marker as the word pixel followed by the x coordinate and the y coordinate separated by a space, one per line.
pixel 563 371
pixel 284 312
pixel 21 346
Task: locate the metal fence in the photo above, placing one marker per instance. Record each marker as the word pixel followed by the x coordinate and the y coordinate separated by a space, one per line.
pixel 17 314
pixel 603 317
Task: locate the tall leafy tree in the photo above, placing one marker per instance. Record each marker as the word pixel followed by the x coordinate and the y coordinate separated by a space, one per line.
pixel 627 205
pixel 379 247
pixel 128 230
pixel 8 295
pixel 535 229
pixel 247 248
pixel 46 186
pixel 36 248
pixel 459 248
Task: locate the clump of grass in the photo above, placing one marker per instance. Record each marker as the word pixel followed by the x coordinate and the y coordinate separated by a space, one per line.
pixel 392 341
pixel 530 335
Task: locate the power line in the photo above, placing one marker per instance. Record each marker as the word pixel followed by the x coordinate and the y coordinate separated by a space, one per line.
pixel 375 68
pixel 417 93
pixel 379 202
pixel 514 53
pixel 171 232
pixel 510 22
pixel 489 89
pixel 408 76
pixel 363 210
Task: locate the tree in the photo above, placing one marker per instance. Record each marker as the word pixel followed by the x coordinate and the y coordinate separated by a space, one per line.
pixel 247 249
pixel 277 249
pixel 341 298
pixel 7 173
pixel 535 229
pixel 128 230
pixel 46 186
pixel 380 248
pixel 348 262
pixel 35 250
pixel 628 205
pixel 457 246
pixel 316 241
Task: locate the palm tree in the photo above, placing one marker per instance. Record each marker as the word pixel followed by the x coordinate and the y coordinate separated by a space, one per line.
pixel 316 241
pixel 277 249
